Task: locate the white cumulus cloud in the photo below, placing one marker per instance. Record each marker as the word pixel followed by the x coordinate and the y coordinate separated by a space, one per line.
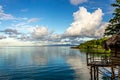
pixel 76 2
pixel 40 32
pixel 100 31
pixel 85 23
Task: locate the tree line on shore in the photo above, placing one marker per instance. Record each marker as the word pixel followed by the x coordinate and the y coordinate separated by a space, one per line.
pixel 93 44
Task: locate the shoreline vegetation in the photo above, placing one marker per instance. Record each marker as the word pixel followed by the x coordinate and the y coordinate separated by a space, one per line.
pixel 93 46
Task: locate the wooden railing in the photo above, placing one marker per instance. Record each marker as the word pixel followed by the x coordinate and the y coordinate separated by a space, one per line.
pixel 92 59
pixel 102 59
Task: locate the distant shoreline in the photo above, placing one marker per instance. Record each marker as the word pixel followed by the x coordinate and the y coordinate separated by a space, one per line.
pixel 38 46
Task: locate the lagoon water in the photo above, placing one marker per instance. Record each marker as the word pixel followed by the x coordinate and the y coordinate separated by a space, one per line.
pixel 43 63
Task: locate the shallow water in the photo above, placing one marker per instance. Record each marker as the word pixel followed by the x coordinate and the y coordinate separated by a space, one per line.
pixel 42 63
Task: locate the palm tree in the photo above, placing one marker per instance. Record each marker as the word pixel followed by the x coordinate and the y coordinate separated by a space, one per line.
pixel 114 23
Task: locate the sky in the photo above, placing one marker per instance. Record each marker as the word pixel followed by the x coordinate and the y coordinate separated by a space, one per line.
pixel 51 22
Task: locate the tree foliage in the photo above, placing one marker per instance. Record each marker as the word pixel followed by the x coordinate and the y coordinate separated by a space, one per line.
pixel 93 44
pixel 114 23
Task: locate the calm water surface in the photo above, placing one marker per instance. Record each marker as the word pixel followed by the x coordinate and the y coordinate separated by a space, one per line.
pixel 42 63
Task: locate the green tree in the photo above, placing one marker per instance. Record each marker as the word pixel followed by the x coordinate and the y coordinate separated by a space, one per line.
pixel 114 23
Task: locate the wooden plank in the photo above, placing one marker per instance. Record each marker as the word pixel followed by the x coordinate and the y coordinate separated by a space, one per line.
pixel 97 73
pixel 91 73
pixel 113 74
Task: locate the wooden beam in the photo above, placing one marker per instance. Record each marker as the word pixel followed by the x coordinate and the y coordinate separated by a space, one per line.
pixel 113 74
pixel 91 73
pixel 97 73
pixel 94 68
pixel 118 72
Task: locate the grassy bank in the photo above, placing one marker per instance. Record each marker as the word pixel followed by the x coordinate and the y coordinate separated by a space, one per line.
pixel 95 50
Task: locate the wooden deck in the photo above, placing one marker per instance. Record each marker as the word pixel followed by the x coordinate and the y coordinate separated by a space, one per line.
pixel 115 61
pixel 100 64
pixel 103 60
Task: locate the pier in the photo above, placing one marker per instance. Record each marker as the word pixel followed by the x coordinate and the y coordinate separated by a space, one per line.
pixel 99 64
pixel 104 60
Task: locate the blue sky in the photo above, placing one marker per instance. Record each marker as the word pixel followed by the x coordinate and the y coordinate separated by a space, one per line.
pixel 53 21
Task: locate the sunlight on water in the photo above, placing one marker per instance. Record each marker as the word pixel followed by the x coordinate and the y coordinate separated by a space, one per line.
pixel 42 63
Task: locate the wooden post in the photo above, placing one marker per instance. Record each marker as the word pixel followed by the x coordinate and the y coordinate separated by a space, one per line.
pixel 91 73
pixel 115 50
pixel 97 73
pixel 87 58
pixel 118 72
pixel 94 73
pixel 113 74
